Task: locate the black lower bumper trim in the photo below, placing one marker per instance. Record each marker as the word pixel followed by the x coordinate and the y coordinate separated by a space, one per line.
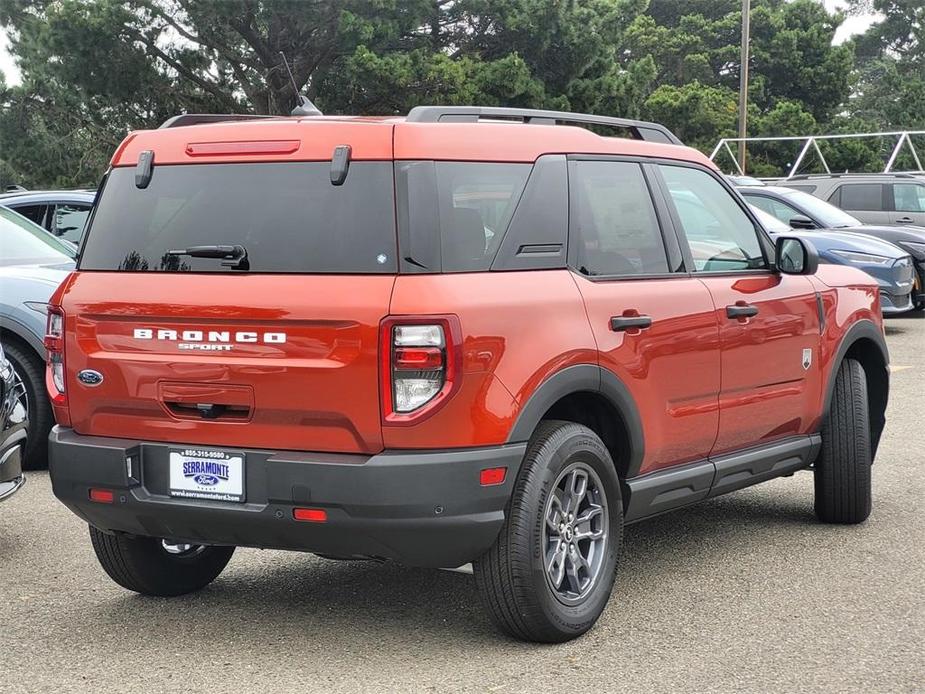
pixel 422 508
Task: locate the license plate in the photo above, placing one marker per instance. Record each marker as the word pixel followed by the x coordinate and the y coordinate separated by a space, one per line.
pixel 206 474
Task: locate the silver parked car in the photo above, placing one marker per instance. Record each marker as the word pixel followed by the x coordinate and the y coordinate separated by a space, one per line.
pixel 32 265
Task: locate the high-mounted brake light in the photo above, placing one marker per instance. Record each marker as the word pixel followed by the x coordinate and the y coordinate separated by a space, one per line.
pixel 420 358
pixel 54 348
pixel 205 149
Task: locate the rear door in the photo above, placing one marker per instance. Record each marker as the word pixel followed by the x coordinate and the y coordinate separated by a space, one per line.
pixel 908 203
pixel 273 349
pixel 769 325
pixel 654 324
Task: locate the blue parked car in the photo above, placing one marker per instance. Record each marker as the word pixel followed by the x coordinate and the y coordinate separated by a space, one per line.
pixel 803 211
pixel 888 264
pixel 32 265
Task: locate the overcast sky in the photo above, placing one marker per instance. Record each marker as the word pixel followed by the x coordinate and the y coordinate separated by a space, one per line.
pixel 851 26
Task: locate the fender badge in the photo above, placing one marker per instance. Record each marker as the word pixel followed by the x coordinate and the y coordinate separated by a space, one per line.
pixel 807 359
pixel 89 377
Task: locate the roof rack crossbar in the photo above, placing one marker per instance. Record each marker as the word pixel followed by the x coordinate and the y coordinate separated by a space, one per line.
pixel 640 130
pixel 201 118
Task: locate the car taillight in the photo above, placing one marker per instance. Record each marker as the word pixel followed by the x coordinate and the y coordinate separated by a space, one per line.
pixel 54 348
pixel 420 362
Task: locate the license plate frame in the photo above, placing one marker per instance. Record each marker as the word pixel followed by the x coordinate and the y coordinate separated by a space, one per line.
pixel 209 474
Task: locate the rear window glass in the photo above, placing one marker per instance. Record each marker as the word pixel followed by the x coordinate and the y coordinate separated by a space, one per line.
pixel 287 216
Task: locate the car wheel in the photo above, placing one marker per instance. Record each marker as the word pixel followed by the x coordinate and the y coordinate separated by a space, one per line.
pixel 843 469
pixel 551 570
pixel 152 566
pixel 31 370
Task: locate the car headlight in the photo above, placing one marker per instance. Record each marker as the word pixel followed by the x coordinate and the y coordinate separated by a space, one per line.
pixel 37 306
pixel 916 249
pixel 863 258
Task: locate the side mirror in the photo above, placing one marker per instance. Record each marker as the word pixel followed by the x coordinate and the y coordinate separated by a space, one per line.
pixel 796 256
pixel 799 221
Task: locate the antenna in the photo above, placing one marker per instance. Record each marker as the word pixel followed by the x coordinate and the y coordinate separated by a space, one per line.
pixel 304 107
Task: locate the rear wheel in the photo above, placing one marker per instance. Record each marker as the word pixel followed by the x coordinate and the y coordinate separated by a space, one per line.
pixel 151 566
pixel 550 573
pixel 31 370
pixel 842 470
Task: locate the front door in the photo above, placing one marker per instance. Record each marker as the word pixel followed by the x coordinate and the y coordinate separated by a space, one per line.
pixel 769 323
pixel 655 326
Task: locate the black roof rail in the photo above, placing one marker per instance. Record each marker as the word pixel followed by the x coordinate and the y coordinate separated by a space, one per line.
pixel 854 174
pixel 200 118
pixel 639 130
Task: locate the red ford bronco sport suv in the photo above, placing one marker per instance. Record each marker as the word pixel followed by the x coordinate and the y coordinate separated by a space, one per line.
pixel 466 335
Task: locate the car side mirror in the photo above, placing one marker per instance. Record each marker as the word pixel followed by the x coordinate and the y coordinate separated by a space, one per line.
pixel 796 256
pixel 800 221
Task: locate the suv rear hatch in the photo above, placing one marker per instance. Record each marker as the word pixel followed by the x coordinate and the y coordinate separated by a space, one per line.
pixel 191 347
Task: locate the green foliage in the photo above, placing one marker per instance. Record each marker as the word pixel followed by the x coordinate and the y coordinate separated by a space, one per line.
pixel 94 69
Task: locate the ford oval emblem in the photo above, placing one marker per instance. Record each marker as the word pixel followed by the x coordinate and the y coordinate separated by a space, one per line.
pixel 206 480
pixel 89 377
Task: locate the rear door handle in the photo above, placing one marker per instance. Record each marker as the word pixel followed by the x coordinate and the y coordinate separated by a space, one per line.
pixel 622 323
pixel 741 310
pixel 905 220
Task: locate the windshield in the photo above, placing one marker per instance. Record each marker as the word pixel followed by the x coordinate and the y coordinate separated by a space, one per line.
pixel 769 221
pixel 287 218
pixel 24 242
pixel 824 213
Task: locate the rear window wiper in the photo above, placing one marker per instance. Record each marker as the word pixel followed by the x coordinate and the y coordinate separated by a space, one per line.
pixel 234 257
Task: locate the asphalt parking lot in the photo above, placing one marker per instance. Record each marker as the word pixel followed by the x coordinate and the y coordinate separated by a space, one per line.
pixel 745 592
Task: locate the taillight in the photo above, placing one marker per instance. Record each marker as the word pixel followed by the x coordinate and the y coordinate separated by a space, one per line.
pixel 54 348
pixel 420 361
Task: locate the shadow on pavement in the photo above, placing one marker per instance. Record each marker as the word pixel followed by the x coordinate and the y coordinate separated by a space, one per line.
pixel 285 596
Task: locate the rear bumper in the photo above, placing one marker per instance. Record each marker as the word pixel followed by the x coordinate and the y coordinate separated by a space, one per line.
pixel 422 508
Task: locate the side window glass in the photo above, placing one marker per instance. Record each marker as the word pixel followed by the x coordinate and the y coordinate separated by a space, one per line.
pixel 614 220
pixel 34 213
pixel 69 221
pixel 909 197
pixel 862 196
pixel 476 201
pixel 722 238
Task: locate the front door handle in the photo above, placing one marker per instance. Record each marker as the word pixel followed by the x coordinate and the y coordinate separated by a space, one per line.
pixel 741 310
pixel 905 220
pixel 622 323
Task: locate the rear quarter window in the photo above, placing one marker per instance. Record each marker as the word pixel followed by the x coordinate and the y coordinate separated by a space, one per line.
pixel 288 216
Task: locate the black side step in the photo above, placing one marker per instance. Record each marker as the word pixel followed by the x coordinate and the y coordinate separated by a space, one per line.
pixel 666 490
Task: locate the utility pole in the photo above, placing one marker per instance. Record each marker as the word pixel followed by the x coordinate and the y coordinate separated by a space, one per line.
pixel 743 81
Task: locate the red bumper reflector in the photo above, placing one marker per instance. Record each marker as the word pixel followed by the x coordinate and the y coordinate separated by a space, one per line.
pixel 312 515
pixel 492 475
pixel 102 496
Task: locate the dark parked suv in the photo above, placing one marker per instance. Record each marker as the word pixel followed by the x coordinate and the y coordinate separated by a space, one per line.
pixel 465 335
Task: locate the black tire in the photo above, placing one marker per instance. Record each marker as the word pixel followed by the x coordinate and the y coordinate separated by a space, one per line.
pixel 141 564
pixel 31 370
pixel 511 576
pixel 842 470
